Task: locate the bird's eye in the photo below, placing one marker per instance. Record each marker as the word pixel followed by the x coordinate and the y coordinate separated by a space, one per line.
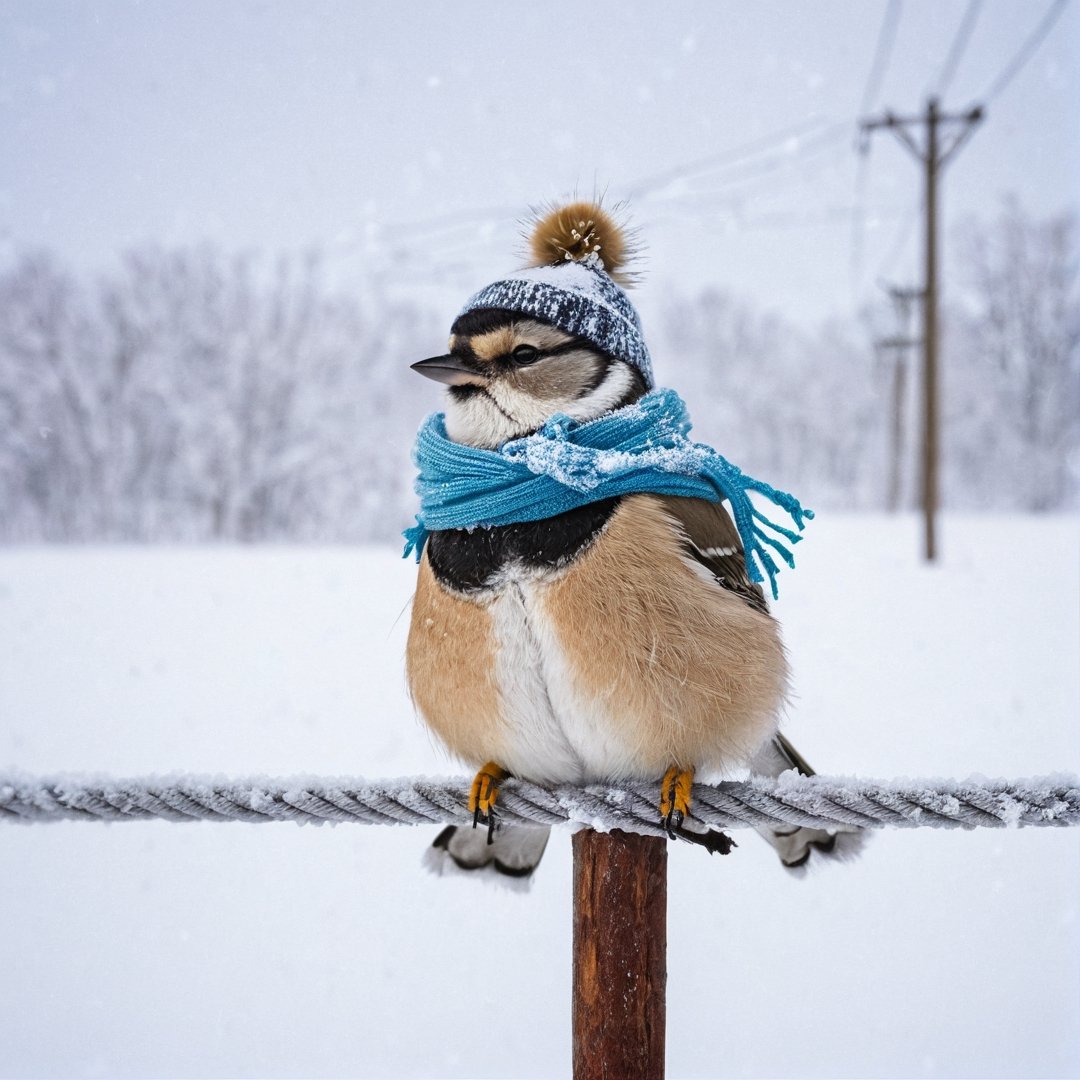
pixel 525 354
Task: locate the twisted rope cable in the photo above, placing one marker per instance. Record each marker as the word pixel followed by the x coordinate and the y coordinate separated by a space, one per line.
pixel 816 801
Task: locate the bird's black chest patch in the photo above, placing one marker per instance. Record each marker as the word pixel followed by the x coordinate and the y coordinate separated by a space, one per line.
pixel 468 560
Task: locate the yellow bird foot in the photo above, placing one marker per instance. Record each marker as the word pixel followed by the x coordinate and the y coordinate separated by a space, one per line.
pixel 482 796
pixel 675 797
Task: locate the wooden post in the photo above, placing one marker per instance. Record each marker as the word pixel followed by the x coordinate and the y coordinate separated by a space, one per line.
pixel 620 955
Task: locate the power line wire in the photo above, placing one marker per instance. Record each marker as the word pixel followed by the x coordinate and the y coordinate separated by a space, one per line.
pixel 890 19
pixel 1026 51
pixel 783 220
pixel 732 158
pixel 725 192
pixel 949 67
pixel 449 227
pixel 736 175
pixel 728 193
pixel 701 206
pixel 959 45
pixel 757 162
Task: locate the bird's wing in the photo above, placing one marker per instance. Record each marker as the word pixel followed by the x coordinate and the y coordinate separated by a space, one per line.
pixel 713 540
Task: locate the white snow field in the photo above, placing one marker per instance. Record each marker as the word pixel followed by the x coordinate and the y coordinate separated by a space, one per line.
pixel 154 949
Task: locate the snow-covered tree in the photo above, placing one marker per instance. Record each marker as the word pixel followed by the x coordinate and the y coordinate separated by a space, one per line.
pixel 1014 392
pixel 196 396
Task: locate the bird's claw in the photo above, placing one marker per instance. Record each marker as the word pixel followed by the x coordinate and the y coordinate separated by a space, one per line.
pixel 675 799
pixel 482 796
pixel 713 841
pixel 675 795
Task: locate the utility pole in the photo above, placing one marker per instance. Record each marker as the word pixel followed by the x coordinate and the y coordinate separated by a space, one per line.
pixel 934 153
pixel 898 344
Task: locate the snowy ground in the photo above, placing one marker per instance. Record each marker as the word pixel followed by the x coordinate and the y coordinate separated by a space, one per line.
pixel 154 949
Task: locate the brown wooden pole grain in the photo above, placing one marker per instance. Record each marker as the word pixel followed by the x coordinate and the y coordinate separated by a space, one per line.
pixel 620 955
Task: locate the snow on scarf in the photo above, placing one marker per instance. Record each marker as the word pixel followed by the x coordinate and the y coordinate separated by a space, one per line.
pixel 642 447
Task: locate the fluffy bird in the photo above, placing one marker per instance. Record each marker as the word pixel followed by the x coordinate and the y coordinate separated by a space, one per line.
pixel 621 638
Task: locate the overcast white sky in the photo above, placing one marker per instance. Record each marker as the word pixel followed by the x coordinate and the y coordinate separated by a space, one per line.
pixel 408 137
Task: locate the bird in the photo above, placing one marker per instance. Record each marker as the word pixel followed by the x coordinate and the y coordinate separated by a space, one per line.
pixel 623 638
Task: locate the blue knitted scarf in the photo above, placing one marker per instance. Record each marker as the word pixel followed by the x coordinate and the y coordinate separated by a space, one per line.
pixel 641 447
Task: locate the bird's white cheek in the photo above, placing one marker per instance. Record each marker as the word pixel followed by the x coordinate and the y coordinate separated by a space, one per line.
pixel 476 422
pixel 528 412
pixel 490 419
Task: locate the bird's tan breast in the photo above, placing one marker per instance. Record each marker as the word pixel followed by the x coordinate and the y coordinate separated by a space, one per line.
pixel 678 669
pixel 450 667
pixel 627 660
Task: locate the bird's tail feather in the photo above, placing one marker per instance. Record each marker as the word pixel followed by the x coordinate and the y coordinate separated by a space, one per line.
pixel 514 850
pixel 793 843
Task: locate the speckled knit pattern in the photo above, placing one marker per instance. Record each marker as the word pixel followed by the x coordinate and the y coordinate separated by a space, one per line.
pixel 578 297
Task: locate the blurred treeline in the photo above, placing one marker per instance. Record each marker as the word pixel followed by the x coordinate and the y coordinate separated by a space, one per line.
pixel 191 395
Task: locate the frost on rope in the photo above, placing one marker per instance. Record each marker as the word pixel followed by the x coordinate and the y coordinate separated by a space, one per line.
pixel 818 801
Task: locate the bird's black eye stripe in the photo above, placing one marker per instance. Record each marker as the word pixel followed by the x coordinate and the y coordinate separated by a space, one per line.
pixel 574 345
pixel 528 354
pixel 525 354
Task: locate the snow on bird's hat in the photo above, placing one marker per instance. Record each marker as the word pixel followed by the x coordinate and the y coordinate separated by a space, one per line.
pixel 574 280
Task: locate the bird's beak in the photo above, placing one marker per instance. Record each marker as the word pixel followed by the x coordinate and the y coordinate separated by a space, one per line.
pixel 449 369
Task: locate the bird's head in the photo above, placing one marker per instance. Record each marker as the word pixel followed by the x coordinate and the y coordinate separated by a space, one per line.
pixel 507 374
pixel 558 337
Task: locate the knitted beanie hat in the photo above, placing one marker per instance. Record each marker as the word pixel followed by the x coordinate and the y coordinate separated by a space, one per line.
pixel 574 281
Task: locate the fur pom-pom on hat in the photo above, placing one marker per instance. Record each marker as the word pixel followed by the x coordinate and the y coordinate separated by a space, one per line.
pixel 582 232
pixel 575 280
